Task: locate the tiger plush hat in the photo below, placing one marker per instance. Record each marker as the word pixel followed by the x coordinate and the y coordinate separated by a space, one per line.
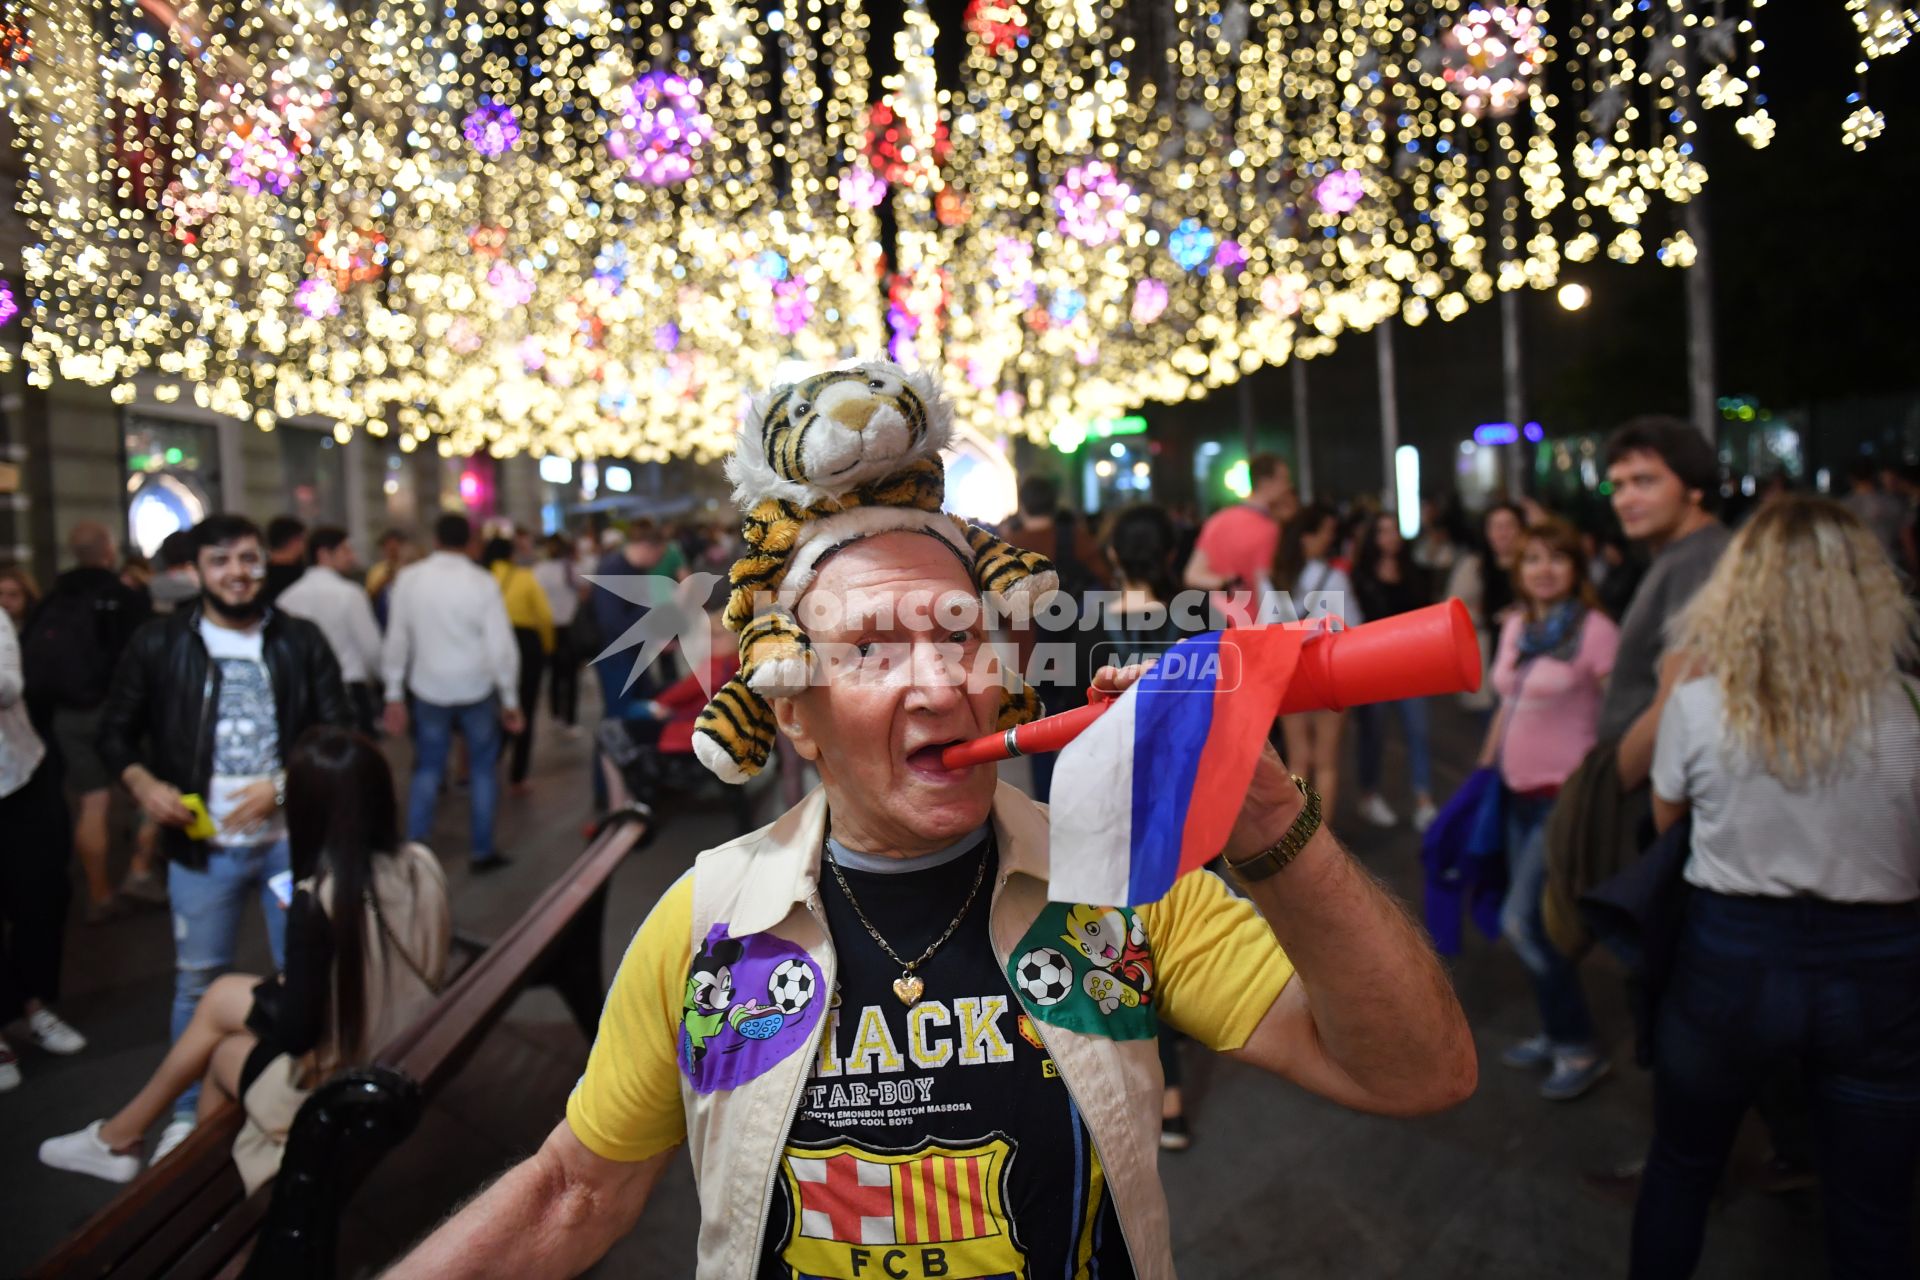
pixel 840 456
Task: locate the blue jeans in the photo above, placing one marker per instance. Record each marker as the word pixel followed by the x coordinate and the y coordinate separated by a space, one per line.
pixel 433 730
pixel 207 905
pixel 1556 980
pixel 1372 723
pixel 1765 983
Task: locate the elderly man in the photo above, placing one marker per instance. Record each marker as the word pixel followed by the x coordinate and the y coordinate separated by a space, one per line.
pixel 836 1015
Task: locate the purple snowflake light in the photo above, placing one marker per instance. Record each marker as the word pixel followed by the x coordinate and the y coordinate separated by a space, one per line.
pixel 1012 257
pixel 317 298
pixel 1091 203
pixel 792 306
pixel 1010 403
pixel 260 161
pixel 1341 191
pixel 663 125
pixel 491 128
pixel 9 307
pixel 862 188
pixel 666 337
pixel 512 286
pixel 1149 301
pixel 1230 256
pixel 1281 294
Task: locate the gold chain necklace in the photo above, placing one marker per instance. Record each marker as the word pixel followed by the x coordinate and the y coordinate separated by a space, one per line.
pixel 908 986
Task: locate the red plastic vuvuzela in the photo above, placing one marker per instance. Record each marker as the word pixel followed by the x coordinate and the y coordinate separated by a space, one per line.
pixel 1420 654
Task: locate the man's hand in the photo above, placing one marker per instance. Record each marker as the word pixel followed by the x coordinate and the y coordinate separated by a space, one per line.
pixel 1272 803
pixel 256 803
pixel 158 800
pixel 513 719
pixel 394 719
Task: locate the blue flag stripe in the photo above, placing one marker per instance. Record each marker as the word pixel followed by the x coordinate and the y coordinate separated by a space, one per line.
pixel 1173 712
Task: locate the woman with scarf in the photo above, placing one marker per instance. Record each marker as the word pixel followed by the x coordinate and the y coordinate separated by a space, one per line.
pixel 1550 670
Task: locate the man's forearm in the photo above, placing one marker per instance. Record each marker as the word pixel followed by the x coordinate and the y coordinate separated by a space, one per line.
pixel 1634 756
pixel 1383 1007
pixel 532 1224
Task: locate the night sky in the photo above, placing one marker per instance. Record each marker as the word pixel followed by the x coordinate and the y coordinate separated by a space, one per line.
pixel 1816 278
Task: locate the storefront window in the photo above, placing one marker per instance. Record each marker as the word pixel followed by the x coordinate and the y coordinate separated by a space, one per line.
pixel 172 477
pixel 316 475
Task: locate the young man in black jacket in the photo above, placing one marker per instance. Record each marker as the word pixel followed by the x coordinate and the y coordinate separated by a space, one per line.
pixel 205 704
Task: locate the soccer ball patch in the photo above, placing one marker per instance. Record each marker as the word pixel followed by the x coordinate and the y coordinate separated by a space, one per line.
pixel 1044 976
pixel 1087 968
pixel 791 987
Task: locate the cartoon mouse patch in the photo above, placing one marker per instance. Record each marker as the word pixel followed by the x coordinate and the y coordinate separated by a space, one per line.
pixel 1088 969
pixel 749 1002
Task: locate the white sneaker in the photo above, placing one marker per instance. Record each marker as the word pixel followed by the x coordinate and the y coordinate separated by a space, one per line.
pixel 170 1137
pixel 84 1152
pixel 1423 817
pixel 1375 810
pixel 9 1068
pixel 46 1029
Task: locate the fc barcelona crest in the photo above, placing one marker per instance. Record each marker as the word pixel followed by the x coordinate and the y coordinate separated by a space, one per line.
pixel 935 1210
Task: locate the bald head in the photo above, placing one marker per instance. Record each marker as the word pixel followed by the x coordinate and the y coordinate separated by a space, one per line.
pixel 92 545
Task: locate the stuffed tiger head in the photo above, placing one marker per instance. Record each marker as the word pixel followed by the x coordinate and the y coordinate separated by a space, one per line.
pixel 827 434
pixel 840 456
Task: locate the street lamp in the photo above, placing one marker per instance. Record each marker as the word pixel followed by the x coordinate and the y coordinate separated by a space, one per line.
pixel 1575 297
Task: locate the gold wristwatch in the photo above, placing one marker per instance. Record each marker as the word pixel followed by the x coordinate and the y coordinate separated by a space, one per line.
pixel 1274 858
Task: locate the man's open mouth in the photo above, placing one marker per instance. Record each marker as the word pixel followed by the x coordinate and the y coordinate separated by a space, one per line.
pixel 928 757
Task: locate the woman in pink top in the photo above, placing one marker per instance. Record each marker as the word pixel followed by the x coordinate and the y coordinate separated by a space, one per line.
pixel 1550 669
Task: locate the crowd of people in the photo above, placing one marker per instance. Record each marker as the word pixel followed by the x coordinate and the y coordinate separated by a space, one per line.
pixel 1730 698
pixel 216 712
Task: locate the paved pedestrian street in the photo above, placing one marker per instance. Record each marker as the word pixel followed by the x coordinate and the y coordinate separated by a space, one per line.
pixel 1276 1184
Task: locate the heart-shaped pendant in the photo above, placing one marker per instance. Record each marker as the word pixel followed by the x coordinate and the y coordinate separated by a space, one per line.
pixel 908 988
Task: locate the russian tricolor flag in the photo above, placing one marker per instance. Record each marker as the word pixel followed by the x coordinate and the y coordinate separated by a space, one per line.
pixel 1151 789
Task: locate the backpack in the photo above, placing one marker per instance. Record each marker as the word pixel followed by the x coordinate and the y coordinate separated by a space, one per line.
pixel 65 655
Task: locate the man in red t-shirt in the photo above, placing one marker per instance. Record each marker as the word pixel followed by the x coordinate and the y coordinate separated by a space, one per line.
pixel 1234 553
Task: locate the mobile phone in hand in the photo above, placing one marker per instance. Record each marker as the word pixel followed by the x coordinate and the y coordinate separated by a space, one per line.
pixel 201 827
pixel 281 883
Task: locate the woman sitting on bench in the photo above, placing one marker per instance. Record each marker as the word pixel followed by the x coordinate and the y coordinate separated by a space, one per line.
pixel 354 978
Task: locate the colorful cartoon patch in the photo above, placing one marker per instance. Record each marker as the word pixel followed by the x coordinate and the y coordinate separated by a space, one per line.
pixel 1088 969
pixel 934 1210
pixel 749 1003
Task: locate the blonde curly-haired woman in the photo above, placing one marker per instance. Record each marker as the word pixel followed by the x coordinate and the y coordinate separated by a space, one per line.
pixel 1792 738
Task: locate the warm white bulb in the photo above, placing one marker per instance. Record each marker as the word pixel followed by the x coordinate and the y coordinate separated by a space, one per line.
pixel 1575 297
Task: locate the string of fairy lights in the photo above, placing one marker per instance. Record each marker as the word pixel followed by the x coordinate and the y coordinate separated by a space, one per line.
pixel 595 227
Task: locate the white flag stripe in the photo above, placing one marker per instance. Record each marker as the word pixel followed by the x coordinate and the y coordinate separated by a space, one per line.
pixel 807 1168
pixel 1091 840
pixel 874 1174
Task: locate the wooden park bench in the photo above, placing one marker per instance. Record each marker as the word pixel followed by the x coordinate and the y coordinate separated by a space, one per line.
pixel 189 1217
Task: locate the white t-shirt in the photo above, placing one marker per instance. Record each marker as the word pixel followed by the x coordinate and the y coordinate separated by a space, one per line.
pixel 1854 837
pixel 246 730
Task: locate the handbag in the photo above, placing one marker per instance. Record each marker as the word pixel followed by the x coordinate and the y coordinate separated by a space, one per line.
pixel 1464 852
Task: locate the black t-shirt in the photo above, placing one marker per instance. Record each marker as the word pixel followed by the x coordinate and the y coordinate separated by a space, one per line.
pixel 935 1140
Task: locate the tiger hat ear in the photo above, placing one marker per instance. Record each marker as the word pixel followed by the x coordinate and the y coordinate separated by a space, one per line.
pixel 752 477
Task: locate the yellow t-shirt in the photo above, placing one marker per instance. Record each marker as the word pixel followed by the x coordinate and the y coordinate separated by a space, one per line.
pixel 1218 970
